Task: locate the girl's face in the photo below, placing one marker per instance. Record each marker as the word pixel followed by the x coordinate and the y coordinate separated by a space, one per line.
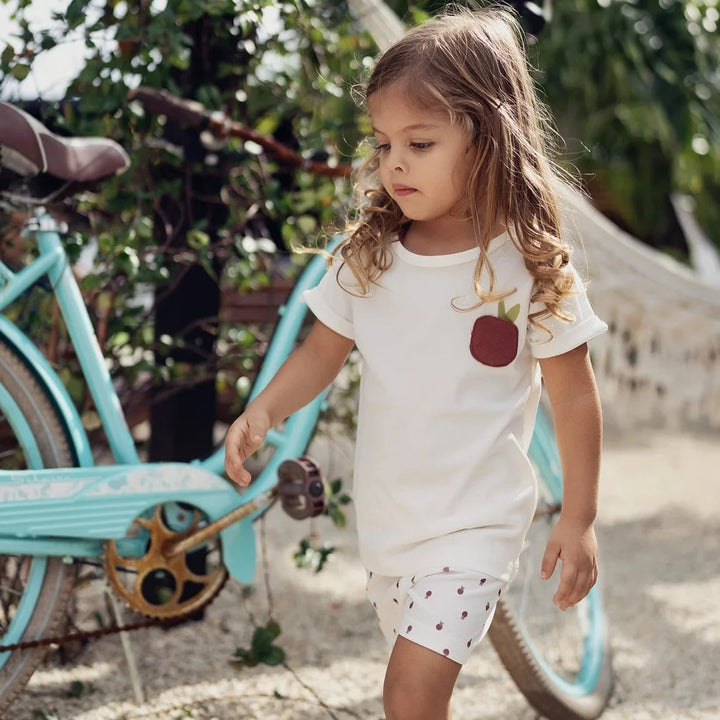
pixel 425 160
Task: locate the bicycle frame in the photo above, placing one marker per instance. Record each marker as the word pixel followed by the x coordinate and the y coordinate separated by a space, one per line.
pixel 72 511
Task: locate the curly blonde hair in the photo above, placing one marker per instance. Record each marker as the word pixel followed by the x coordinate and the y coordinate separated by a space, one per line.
pixel 472 65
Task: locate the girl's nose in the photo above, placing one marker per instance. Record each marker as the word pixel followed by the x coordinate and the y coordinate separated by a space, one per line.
pixel 397 160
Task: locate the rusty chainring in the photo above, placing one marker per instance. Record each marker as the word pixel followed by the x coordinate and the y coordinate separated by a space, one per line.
pixel 164 585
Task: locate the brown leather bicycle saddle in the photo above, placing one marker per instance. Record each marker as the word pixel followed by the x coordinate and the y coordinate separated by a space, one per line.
pixel 28 148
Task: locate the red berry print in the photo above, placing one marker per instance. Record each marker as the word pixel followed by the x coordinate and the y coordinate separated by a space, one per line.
pixel 446 569
pixel 469 643
pixel 412 580
pixel 410 606
pixel 483 581
pixel 499 591
pixel 409 628
pixel 487 607
pixel 375 605
pixel 446 652
pixel 428 594
pixel 397 584
pixel 395 601
pixel 464 614
pixel 439 626
pixel 494 340
pixel 461 590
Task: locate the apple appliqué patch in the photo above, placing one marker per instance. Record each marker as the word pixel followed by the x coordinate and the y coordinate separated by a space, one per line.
pixel 494 339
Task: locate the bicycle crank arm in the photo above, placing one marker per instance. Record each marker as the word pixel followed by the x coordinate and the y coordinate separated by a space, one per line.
pixel 301 492
pixel 217 526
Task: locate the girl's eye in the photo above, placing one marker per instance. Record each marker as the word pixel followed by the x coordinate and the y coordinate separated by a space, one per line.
pixel 421 145
pixel 381 147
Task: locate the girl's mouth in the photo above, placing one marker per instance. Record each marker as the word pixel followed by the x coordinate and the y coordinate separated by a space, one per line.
pixel 403 190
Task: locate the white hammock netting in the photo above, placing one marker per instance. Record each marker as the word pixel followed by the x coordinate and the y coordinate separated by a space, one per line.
pixel 658 364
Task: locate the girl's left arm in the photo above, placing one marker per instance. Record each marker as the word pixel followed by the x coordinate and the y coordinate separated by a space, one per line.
pixel 571 389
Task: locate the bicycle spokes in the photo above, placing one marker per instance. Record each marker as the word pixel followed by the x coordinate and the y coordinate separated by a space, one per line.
pixel 13 576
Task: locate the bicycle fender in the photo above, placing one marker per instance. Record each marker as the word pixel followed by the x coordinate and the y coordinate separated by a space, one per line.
pixel 50 381
pixel 238 550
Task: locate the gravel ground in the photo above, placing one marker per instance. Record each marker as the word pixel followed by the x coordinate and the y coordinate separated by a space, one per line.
pixel 660 542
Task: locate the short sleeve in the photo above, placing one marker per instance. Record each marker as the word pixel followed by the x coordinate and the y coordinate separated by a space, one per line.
pixel 565 336
pixel 330 303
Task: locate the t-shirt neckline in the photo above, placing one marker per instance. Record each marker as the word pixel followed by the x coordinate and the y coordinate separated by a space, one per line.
pixel 455 258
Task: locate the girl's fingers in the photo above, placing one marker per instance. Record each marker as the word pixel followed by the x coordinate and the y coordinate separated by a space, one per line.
pixel 240 443
pixel 567 585
pixel 549 561
pixel 575 587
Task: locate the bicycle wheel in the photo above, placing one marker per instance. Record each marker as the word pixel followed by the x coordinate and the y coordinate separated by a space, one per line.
pixel 33 591
pixel 560 661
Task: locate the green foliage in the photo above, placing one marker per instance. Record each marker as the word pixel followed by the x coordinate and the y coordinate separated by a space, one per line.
pixel 77 689
pixel 336 499
pixel 312 554
pixel 282 68
pixel 262 648
pixel 636 94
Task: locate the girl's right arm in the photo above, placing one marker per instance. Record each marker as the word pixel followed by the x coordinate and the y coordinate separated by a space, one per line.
pixel 305 374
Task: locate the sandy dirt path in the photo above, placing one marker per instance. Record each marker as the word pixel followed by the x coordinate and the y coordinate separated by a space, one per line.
pixel 660 541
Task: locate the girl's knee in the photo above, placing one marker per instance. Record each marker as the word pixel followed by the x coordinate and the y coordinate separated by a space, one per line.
pixel 407 698
pixel 418 683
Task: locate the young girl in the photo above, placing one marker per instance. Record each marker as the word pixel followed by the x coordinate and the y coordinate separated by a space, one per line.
pixel 456 287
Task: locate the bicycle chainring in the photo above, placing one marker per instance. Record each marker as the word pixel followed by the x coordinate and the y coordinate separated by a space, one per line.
pixel 161 585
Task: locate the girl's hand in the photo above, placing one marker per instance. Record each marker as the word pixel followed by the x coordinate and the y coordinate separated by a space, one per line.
pixel 573 543
pixel 243 438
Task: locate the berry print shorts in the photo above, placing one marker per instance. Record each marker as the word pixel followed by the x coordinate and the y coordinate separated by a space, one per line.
pixel 448 611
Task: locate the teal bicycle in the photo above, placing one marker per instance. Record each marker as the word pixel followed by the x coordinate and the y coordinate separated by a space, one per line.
pixel 159 530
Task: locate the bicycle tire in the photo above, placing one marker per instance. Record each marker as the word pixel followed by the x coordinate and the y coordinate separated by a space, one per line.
pixel 560 661
pixel 34 591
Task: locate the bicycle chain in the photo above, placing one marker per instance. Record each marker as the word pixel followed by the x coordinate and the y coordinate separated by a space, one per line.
pixel 92 634
pixel 101 632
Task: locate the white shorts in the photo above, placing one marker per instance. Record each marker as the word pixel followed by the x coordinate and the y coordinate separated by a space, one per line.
pixel 448 611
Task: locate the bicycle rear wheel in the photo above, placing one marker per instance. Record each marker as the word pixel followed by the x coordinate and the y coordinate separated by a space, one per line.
pixel 33 591
pixel 560 661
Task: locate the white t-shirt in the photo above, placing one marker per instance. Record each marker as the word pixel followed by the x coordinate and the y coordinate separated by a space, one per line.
pixel 447 407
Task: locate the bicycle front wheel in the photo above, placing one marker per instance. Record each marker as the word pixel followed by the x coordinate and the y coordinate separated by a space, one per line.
pixel 33 591
pixel 560 661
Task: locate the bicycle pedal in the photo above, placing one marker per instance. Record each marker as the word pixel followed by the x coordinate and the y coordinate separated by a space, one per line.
pixel 301 488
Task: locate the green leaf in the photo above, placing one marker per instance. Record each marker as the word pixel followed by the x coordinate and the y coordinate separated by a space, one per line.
pixel 241 654
pixel 273 627
pixel 307 223
pixel 7 54
pixel 75 12
pixel 337 516
pixel 76 689
pixel 20 71
pixel 262 640
pixel 512 313
pixel 197 239
pixel 274 656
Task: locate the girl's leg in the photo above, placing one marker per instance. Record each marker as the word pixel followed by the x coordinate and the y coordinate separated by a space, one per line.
pixel 418 683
